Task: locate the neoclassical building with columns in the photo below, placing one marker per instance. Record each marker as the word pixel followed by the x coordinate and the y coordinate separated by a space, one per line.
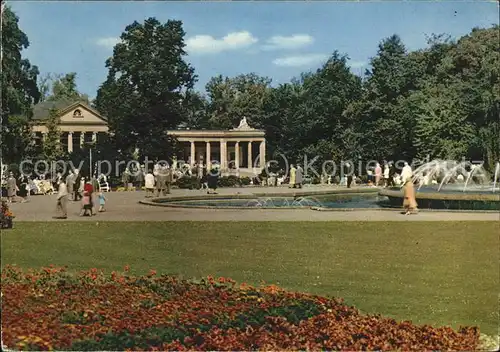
pixel 241 149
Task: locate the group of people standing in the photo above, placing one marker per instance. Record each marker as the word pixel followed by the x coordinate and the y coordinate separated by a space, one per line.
pixel 159 181
pixel 15 188
pixel 296 176
pixel 74 184
pixel 382 177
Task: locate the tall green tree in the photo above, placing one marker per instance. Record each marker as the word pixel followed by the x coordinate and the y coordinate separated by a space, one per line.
pixel 55 87
pixel 19 90
pixel 52 150
pixel 196 106
pixel 321 114
pixel 231 99
pixel 475 75
pixel 386 83
pixel 147 83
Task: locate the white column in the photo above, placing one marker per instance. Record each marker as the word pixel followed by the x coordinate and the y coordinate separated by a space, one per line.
pixel 208 157
pixel 82 139
pixel 223 154
pixel 94 137
pixel 250 161
pixel 237 154
pixel 70 142
pixel 192 159
pixel 262 154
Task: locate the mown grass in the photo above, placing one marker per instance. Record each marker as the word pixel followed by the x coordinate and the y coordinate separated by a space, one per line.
pixel 436 273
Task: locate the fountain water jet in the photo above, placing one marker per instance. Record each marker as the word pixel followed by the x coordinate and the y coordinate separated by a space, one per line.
pixel 452 185
pixel 496 176
pixel 441 172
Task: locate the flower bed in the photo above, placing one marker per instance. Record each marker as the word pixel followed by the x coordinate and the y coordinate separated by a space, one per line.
pixel 6 216
pixel 52 309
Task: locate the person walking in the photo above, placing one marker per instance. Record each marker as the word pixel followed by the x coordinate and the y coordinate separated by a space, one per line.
pixel 139 177
pixel 62 200
pixel 378 174
pixel 169 178
pixel 406 172
pixel 409 203
pixel 89 188
pixel 11 187
pixel 292 181
pixel 348 173
pixel 386 175
pixel 299 176
pixel 150 184
pixel 161 182
pixel 392 174
pixel 78 186
pixel 212 180
pixel 86 205
pixel 70 182
pixel 102 201
pixel 23 188
pixel 126 179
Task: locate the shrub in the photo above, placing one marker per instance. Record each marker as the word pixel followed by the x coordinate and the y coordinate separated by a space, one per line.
pixel 188 182
pixel 245 181
pixel 229 181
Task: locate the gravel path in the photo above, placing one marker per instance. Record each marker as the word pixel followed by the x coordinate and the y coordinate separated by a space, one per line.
pixel 124 206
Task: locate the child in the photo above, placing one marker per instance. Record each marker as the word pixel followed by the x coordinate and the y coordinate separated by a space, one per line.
pixel 86 205
pixel 102 201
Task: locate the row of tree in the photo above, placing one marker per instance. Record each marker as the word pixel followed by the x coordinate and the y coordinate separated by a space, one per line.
pixel 442 101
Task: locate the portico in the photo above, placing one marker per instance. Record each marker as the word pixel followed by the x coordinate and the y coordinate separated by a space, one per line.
pixel 78 123
pixel 241 149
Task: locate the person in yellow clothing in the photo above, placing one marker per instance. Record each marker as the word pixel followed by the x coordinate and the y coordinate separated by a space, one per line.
pixel 409 203
pixel 293 171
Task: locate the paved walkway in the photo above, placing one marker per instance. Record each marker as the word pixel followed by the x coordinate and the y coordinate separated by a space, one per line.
pixel 124 206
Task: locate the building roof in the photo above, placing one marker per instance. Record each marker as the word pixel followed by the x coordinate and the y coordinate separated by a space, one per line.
pixel 41 110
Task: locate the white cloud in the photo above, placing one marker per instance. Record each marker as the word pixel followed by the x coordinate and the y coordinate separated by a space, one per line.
pixel 357 64
pixel 108 42
pixel 291 42
pixel 300 60
pixel 205 44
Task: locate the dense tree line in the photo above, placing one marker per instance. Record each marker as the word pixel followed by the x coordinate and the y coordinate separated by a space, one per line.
pixel 442 101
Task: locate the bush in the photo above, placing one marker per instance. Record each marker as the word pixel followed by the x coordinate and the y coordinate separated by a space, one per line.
pixel 188 182
pixel 316 180
pixel 229 181
pixel 363 178
pixel 245 181
pixel 120 312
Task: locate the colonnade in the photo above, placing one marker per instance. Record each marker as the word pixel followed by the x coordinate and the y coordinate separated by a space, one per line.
pixel 223 152
pixel 70 138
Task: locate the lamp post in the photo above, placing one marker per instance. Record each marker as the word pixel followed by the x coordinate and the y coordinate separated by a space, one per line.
pixel 90 145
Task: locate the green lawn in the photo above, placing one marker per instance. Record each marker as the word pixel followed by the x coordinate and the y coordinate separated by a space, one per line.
pixel 437 273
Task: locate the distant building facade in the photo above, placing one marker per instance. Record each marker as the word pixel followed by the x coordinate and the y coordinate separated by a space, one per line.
pixel 241 148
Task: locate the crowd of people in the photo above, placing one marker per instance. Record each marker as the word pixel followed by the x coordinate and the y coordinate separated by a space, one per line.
pixel 158 182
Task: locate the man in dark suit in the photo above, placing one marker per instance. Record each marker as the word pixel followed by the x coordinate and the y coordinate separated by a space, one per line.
pixel 348 173
pixel 162 181
pixel 392 172
pixel 76 185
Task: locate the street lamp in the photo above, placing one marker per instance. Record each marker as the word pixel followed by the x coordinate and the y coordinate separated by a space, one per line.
pixel 90 145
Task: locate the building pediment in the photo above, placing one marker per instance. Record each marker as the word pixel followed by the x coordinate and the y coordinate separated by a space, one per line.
pixel 80 114
pixel 69 112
